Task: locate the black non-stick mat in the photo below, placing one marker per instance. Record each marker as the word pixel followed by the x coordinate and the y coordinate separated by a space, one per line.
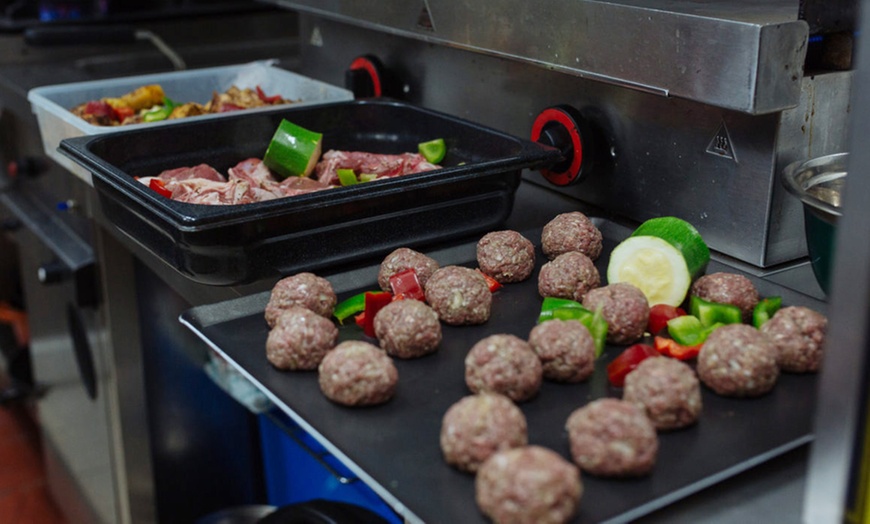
pixel 395 447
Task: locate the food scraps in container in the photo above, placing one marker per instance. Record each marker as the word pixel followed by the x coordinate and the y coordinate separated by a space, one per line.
pixel 150 104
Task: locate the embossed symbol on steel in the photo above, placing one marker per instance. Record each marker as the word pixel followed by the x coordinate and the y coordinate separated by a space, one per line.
pixel 721 144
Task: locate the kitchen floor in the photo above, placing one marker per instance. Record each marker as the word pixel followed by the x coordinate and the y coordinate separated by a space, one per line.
pixel 24 495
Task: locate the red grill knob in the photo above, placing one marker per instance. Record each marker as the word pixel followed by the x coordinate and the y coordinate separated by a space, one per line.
pixel 365 77
pixel 564 128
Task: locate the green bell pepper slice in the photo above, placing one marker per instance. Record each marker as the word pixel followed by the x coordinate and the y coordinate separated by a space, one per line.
pixel 765 310
pixel 709 313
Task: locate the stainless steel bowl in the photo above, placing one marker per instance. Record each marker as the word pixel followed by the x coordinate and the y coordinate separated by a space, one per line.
pixel 819 183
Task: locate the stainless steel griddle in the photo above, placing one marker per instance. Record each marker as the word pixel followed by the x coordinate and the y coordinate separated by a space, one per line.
pixel 394 447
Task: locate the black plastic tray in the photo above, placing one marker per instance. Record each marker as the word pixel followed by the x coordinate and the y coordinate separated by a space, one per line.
pixel 394 447
pixel 224 245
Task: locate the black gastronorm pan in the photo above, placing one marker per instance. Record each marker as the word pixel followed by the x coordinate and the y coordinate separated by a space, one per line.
pixel 227 245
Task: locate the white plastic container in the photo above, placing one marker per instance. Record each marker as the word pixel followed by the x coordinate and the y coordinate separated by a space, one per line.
pixel 52 104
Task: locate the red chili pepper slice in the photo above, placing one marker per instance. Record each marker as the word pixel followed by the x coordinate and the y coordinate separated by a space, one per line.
pixel 629 359
pixel 494 285
pixel 659 315
pixel 670 348
pixel 407 285
pixel 157 185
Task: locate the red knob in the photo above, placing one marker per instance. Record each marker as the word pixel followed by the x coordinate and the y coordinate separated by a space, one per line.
pixel 564 128
pixel 365 77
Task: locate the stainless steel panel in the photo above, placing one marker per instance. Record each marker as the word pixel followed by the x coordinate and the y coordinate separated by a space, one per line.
pixel 662 156
pixel 741 55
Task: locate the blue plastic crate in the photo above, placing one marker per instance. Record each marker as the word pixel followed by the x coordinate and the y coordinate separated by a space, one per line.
pixel 297 469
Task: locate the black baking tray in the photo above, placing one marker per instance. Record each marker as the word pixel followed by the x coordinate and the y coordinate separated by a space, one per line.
pixel 226 245
pixel 395 448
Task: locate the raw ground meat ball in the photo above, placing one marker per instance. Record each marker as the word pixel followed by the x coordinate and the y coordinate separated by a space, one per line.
pixel 300 339
pixel 572 231
pixel 479 425
pixel 610 437
pixel 406 258
pixel 357 373
pixel 408 329
pixel 531 484
pixel 459 295
pixel 737 360
pixel 566 350
pixel 624 307
pixel 728 288
pixel 504 364
pixel 506 256
pixel 798 334
pixel 303 289
pixel 667 389
pixel 570 275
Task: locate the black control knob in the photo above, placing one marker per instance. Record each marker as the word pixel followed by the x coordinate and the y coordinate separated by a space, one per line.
pixel 53 272
pixel 566 129
pixel 367 77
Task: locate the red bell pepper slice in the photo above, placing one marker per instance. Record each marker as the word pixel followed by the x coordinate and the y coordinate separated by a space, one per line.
pixel 406 284
pixel 265 98
pixel 157 185
pixel 375 300
pixel 629 359
pixel 670 348
pixel 659 315
pixel 494 285
pixel 122 113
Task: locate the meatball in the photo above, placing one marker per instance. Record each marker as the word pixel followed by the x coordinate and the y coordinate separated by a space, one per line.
pixel 300 339
pixel 506 256
pixel 357 373
pixel 738 360
pixel 402 259
pixel 531 484
pixel 504 364
pixel 566 350
pixel 624 307
pixel 798 334
pixel 407 329
pixel 728 288
pixel 572 231
pixel 610 437
pixel 459 295
pixel 570 275
pixel 303 289
pixel 479 425
pixel 667 389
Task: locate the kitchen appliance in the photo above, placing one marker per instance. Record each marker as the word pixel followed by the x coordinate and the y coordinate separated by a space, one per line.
pixel 680 125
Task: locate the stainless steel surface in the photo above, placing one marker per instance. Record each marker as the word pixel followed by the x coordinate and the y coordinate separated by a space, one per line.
pixel 741 55
pixel 838 455
pixel 663 156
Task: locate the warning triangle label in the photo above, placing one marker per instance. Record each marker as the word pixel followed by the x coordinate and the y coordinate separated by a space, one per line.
pixel 424 21
pixel 721 144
